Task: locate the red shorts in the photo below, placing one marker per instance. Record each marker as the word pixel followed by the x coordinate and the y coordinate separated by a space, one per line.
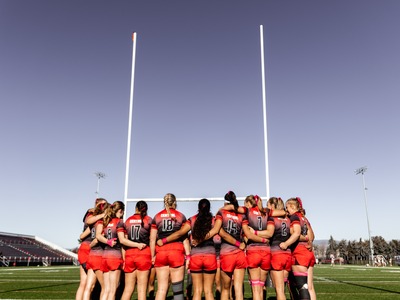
pixel 136 259
pixel 203 263
pixel 259 258
pixel 281 261
pixel 111 264
pixel 94 262
pixel 303 257
pixel 83 253
pixel 171 255
pixel 230 262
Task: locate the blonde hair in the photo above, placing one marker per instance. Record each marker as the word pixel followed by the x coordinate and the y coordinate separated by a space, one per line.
pixel 277 203
pixel 111 211
pixel 294 203
pixel 255 201
pixel 169 202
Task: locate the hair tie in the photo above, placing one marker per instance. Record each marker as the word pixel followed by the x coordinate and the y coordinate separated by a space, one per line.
pixel 143 208
pixel 300 202
pixel 256 198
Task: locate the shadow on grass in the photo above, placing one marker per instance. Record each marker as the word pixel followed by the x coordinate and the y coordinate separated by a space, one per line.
pixel 37 287
pixel 368 287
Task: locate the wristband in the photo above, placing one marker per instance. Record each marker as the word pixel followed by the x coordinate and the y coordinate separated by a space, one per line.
pixel 164 240
pixel 237 244
pixel 255 232
pixel 263 240
pixel 187 257
pixel 110 242
pixel 306 238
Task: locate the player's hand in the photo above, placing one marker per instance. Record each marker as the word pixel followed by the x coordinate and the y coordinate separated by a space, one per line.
pixel 283 246
pixel 159 242
pixel 242 246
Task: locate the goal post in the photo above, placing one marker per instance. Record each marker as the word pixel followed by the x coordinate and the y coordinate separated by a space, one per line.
pixel 128 151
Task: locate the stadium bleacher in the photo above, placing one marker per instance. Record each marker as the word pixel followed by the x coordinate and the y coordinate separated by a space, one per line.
pixel 25 250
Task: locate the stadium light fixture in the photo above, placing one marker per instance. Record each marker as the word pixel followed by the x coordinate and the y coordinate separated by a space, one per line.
pixel 99 176
pixel 361 171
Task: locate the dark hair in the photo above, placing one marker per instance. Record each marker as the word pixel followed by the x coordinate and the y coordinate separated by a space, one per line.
pixel 203 223
pixel 231 198
pixel 141 206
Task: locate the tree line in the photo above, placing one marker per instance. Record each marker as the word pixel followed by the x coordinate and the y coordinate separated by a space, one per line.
pixel 358 252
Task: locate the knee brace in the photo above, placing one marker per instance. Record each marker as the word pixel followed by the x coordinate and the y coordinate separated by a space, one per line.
pixel 177 289
pixel 301 285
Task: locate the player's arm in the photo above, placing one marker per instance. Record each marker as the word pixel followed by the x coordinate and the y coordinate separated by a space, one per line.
pixel 277 213
pixel 230 207
pixel 231 240
pixel 84 234
pixel 186 246
pixel 295 235
pixel 101 238
pixel 124 241
pixel 93 219
pixel 259 235
pixel 153 237
pixel 213 231
pixel 174 236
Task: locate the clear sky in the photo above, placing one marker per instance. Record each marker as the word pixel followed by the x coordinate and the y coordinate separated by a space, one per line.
pixel 333 86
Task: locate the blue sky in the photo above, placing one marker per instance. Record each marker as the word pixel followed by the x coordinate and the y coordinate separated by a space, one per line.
pixel 332 81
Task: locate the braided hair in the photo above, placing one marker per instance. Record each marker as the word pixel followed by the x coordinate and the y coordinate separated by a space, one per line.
pixel 141 207
pixel 169 202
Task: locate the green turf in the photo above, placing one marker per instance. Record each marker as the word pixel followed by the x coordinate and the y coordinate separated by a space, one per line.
pixel 338 282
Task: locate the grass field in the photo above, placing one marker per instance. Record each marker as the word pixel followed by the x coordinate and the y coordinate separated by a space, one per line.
pixel 338 282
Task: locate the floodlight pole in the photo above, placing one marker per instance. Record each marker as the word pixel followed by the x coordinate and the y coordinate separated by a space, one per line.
pixel 361 171
pixel 99 176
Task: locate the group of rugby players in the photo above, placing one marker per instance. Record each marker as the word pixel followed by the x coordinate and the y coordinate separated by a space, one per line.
pixel 215 250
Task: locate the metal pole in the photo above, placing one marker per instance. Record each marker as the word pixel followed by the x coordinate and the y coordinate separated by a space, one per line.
pixel 99 175
pixel 128 150
pixel 264 112
pixel 361 171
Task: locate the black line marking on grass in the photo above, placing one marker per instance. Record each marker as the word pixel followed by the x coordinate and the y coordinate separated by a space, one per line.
pixel 37 287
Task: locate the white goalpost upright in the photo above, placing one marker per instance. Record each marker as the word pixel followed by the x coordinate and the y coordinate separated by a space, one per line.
pixel 128 150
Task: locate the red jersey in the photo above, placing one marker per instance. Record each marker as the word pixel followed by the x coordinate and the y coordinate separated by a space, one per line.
pixel 281 233
pixel 88 239
pixel 297 218
pixel 111 232
pixel 232 224
pixel 136 231
pixel 206 247
pixel 257 221
pixel 166 224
